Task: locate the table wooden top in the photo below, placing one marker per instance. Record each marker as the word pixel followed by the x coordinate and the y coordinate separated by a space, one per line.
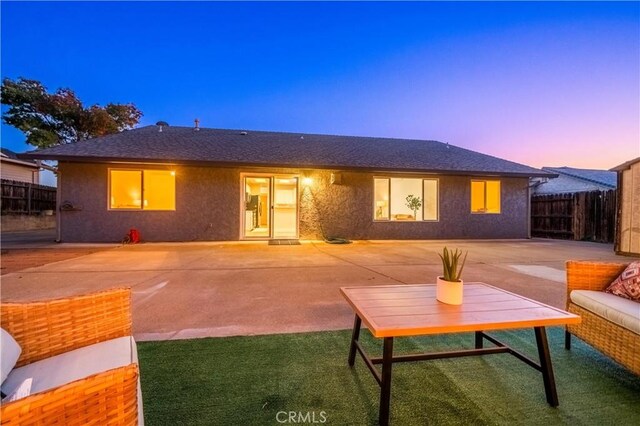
pixel 410 310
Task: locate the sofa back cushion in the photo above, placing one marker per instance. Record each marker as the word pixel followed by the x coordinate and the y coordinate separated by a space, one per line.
pixel 9 353
pixel 627 285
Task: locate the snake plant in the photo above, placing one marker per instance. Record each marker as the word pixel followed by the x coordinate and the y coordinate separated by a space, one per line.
pixel 450 261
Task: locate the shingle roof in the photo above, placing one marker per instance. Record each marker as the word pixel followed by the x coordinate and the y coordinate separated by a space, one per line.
pixel 571 180
pixel 13 157
pixel 7 153
pixel 274 149
pixel 600 177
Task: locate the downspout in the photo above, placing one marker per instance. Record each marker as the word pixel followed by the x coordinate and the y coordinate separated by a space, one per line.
pixel 58 204
pixel 529 186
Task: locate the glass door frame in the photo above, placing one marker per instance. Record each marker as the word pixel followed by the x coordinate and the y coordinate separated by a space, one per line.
pixel 272 179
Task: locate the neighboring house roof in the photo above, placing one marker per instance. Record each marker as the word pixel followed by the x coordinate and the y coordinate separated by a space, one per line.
pixel 8 156
pixel 626 165
pixel 571 180
pixel 186 145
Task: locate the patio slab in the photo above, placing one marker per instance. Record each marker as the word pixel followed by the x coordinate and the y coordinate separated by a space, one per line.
pixel 28 249
pixel 187 290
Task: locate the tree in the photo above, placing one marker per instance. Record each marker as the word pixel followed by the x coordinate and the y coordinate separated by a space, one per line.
pixel 49 119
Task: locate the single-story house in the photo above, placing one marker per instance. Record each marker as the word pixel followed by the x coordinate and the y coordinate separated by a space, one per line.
pixel 186 183
pixel 21 170
pixel 572 180
pixel 628 223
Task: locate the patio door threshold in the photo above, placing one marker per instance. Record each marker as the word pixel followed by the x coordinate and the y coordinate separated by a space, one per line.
pixel 284 242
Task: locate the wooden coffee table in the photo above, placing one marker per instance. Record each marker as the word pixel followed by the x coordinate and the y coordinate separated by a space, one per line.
pixel 412 310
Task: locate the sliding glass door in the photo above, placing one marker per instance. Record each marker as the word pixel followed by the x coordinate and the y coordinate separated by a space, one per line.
pixel 270 207
pixel 285 207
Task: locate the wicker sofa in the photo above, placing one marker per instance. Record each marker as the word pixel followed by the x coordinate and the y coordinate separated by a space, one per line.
pixel 82 359
pixel 617 337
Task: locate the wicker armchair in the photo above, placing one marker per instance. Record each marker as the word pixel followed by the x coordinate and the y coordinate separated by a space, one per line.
pixel 46 329
pixel 615 341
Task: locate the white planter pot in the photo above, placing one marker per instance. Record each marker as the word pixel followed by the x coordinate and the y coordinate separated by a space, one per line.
pixel 449 292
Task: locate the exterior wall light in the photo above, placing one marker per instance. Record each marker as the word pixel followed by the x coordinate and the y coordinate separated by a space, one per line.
pixel 307 181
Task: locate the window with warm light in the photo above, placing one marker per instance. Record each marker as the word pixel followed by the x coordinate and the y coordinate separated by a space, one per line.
pixel 485 196
pixel 393 199
pixel 142 190
pixel 381 191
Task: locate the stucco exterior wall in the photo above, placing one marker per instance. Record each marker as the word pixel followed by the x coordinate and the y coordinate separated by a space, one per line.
pixel 208 207
pixel 347 210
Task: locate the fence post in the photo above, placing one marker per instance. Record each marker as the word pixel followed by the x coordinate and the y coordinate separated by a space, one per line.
pixel 23 197
pixel 29 192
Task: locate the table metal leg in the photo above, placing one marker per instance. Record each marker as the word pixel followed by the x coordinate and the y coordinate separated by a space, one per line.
pixel 479 340
pixel 545 366
pixel 387 360
pixel 567 339
pixel 385 386
pixel 357 322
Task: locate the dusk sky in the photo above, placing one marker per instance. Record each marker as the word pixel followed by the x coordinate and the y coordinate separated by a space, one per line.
pixel 544 84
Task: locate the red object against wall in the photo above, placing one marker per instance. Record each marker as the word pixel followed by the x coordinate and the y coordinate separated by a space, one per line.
pixel 134 236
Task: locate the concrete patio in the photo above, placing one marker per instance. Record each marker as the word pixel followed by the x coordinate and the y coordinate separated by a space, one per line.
pixel 186 290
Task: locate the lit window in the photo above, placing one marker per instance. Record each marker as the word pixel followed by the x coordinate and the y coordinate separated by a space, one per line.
pixel 381 190
pixel 159 190
pixel 430 197
pixel 485 196
pixel 405 199
pixel 142 189
pixel 126 189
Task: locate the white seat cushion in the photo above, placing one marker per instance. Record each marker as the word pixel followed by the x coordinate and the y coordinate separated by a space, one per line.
pixel 9 353
pixel 74 365
pixel 618 310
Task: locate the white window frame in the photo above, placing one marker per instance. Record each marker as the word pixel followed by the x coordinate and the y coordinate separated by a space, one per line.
pixel 272 177
pixel 422 219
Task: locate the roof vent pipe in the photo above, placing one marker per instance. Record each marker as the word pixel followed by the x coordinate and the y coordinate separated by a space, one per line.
pixel 197 124
pixel 161 124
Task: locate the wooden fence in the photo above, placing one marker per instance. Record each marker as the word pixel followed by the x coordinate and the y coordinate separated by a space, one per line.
pixel 24 197
pixel 585 216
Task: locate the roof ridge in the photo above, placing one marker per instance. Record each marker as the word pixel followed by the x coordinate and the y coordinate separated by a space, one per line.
pixel 299 133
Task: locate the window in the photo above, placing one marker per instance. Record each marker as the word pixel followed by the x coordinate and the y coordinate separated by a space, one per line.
pixel 405 199
pixel 381 190
pixel 142 190
pixel 485 196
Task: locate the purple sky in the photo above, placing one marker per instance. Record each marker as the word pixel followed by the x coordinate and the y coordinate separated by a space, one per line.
pixel 544 84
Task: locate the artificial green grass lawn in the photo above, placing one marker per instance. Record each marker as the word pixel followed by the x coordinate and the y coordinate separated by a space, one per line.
pixel 248 380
